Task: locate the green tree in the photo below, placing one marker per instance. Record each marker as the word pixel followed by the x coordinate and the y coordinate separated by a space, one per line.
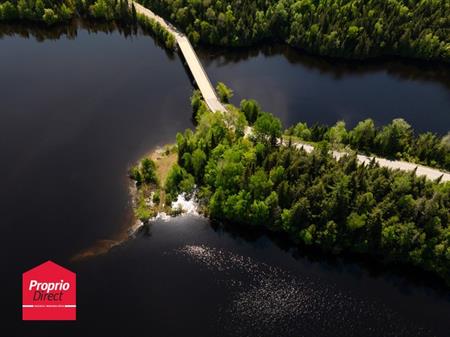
pixel 394 138
pixel 251 110
pixel 135 174
pixel 260 185
pixel 196 101
pixel 267 128
pixel 198 163
pixel 337 134
pixel 302 131
pixel 259 213
pixel 336 205
pixel 65 12
pixel 224 92
pixel 148 171
pixel 363 135
pixel 102 9
pixel 8 11
pixel 178 180
pixel 355 221
pixel 50 17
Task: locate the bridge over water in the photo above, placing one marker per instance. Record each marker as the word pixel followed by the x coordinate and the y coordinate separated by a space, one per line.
pixel 210 97
pixel 194 64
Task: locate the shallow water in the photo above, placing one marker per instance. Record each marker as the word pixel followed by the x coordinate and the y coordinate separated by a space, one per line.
pixel 77 111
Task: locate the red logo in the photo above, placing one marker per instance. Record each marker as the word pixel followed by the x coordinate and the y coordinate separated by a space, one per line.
pixel 49 293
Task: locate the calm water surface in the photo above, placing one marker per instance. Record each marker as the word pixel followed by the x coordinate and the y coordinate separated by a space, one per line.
pixel 297 87
pixel 76 112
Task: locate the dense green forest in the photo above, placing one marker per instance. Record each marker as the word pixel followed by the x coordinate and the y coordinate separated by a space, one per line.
pixel 343 28
pixel 395 140
pixel 57 12
pixel 336 205
pixel 52 12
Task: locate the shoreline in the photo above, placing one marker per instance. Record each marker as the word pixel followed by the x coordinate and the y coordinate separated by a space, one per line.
pixel 134 224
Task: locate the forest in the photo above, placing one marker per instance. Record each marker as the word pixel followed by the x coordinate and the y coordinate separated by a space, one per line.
pixel 53 12
pixel 335 205
pixel 396 140
pixel 337 28
pixel 50 13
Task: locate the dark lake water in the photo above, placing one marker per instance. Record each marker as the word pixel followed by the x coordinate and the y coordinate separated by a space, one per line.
pixel 78 110
pixel 298 87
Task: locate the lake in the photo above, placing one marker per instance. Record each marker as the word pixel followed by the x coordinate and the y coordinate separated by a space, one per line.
pixel 80 105
pixel 297 87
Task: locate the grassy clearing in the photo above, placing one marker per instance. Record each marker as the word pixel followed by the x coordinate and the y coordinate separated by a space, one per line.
pixel 149 195
pixel 164 160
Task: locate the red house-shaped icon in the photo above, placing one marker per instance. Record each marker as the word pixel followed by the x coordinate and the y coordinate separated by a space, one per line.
pixel 49 293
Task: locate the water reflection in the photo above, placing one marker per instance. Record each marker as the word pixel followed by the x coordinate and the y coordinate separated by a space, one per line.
pixel 299 87
pixel 70 31
pixel 82 120
pixel 78 109
pixel 405 69
pixel 314 297
pixel 400 276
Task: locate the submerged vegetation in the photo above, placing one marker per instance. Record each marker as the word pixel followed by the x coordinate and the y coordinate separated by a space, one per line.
pixel 337 205
pixel 342 28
